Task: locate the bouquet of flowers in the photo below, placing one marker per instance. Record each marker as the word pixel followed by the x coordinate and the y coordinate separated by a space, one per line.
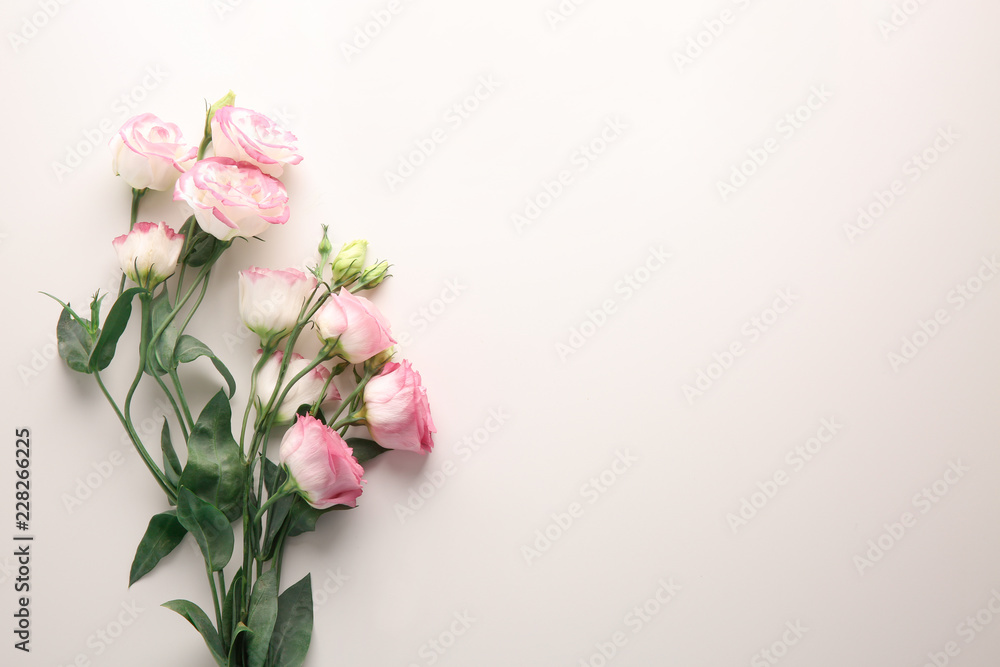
pixel 237 194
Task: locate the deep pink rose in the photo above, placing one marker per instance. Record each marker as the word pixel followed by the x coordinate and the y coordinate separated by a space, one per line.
pixel 397 411
pixel 252 137
pixel 232 198
pixel 150 153
pixel 357 325
pixel 321 463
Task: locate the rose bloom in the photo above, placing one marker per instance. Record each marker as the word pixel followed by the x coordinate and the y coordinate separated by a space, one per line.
pixel 356 324
pixel 248 136
pixel 397 411
pixel 321 463
pixel 305 391
pixel 150 153
pixel 270 300
pixel 148 254
pixel 232 198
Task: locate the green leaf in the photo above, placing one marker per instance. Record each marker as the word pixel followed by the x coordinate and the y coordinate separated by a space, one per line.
pixel 231 607
pixel 190 348
pixel 213 471
pixel 74 342
pixel 365 449
pixel 201 249
pixel 293 627
pixel 162 536
pixel 171 464
pixel 160 357
pixel 209 526
pixel 114 327
pixel 241 635
pixel 274 477
pixel 202 624
pixel 261 617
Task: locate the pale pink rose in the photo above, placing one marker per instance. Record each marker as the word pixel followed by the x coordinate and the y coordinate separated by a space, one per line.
pixel 397 411
pixel 148 254
pixel 321 463
pixel 150 153
pixel 356 324
pixel 306 391
pixel 270 300
pixel 252 137
pixel 232 198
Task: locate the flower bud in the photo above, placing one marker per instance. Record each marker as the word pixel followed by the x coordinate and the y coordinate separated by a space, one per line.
pixel 374 274
pixel 349 261
pixel 227 100
pixel 148 254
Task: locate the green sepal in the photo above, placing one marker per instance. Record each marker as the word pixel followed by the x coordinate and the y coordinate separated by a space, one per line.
pixel 209 527
pixel 190 348
pixel 202 624
pixel 162 536
pixel 261 617
pixel 293 627
pixel 213 471
pixel 171 464
pixel 75 343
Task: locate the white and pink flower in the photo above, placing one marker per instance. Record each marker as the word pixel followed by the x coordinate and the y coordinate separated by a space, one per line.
pixel 248 136
pixel 396 409
pixel 149 253
pixel 150 153
pixel 321 465
pixel 232 198
pixel 271 299
pixel 357 326
pixel 307 390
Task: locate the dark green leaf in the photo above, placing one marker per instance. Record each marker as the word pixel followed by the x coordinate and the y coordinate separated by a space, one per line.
pixel 114 327
pixel 171 464
pixel 162 535
pixel 241 635
pixel 190 348
pixel 261 617
pixel 213 470
pixel 365 449
pixel 231 607
pixel 304 516
pixel 201 249
pixel 293 627
pixel 209 526
pixel 160 357
pixel 202 624
pixel 274 477
pixel 74 342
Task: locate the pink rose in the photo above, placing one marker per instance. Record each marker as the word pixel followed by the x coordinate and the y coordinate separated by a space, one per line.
pixel 148 254
pixel 307 390
pixel 252 137
pixel 397 411
pixel 356 324
pixel 321 464
pixel 150 153
pixel 270 300
pixel 232 198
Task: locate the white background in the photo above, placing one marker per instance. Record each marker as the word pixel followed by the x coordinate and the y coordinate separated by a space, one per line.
pixel 523 292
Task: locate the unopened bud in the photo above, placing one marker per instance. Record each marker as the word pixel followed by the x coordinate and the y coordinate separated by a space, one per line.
pixel 374 275
pixel 348 262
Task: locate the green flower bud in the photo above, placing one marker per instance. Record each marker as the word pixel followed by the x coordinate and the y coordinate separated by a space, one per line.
pixel 374 275
pixel 376 363
pixel 227 100
pixel 348 262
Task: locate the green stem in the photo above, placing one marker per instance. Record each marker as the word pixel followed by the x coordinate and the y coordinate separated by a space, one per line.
pixel 197 303
pixel 134 215
pixel 137 443
pixel 205 141
pixel 352 396
pixel 173 403
pixel 180 395
pixel 215 596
